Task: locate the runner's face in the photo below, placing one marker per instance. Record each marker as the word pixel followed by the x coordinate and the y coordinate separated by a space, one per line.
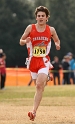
pixel 41 18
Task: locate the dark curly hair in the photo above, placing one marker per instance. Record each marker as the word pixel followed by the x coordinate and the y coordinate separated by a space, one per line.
pixel 43 9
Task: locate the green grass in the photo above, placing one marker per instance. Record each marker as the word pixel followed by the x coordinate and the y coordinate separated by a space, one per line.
pixel 60 91
pixel 52 95
pixel 57 105
pixel 28 92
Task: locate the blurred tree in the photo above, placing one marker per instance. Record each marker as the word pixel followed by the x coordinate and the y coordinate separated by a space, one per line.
pixel 62 18
pixel 15 16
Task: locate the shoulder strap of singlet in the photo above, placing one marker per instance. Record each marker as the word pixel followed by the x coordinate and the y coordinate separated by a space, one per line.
pixel 33 26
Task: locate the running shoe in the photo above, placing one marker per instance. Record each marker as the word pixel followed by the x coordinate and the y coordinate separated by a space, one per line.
pixel 31 115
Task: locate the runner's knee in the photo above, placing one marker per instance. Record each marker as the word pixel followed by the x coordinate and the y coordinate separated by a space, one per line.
pixel 39 86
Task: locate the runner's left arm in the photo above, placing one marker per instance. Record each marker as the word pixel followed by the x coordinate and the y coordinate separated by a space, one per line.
pixel 55 38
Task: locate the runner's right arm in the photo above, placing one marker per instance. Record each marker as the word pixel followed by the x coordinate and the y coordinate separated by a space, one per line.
pixel 25 39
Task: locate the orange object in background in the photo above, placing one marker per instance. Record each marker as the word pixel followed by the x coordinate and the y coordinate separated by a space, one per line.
pixel 19 77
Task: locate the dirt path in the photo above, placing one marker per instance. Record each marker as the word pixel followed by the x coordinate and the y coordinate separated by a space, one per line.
pixel 11 114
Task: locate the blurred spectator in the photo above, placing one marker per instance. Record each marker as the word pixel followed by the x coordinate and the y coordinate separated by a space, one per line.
pixel 65 66
pixel 74 71
pixel 2 69
pixel 29 47
pixel 56 67
pixel 72 61
pixel 27 64
pixel 1 52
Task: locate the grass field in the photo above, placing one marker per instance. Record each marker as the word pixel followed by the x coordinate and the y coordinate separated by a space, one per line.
pixel 57 105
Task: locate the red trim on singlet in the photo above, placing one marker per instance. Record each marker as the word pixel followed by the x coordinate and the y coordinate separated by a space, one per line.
pixel 39 39
pixel 34 34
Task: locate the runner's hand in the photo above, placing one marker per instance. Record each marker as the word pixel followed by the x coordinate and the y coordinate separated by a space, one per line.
pixel 57 46
pixel 28 39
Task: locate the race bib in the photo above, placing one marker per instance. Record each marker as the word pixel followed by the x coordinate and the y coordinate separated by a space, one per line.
pixel 39 51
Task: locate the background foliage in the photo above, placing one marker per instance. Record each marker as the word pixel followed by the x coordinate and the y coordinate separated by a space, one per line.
pixel 17 14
